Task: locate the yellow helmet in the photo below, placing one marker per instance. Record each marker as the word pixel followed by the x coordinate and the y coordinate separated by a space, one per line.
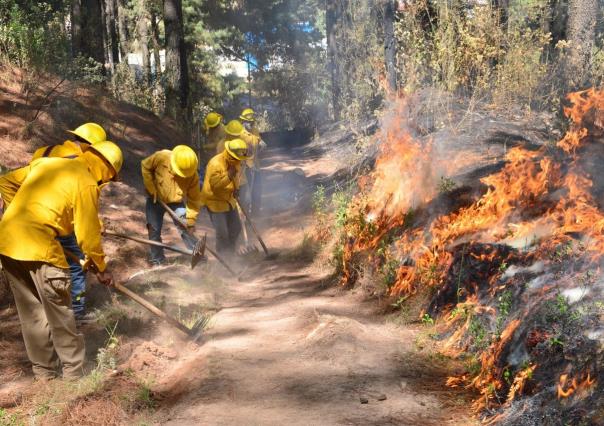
pixel 234 128
pixel 248 114
pixel 184 161
pixel 212 120
pixel 90 132
pixel 237 148
pixel 110 152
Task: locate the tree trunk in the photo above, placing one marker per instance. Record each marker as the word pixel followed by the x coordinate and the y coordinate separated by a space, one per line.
pixel 177 81
pixel 106 48
pixel 92 44
pixel 331 20
pixel 143 34
pixel 76 27
pixel 503 7
pixel 111 48
pixel 122 26
pixel 581 32
pixel 155 38
pixel 390 44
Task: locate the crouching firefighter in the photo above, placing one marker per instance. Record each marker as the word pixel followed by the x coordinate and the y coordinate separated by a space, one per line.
pixel 171 177
pixel 82 138
pixel 220 190
pixel 56 197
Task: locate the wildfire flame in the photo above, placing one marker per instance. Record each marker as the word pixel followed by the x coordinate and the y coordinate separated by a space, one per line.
pixel 568 386
pixel 539 196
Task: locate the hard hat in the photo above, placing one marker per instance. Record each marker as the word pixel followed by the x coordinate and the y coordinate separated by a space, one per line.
pixel 183 161
pixel 110 152
pixel 212 120
pixel 234 128
pixel 248 114
pixel 237 148
pixel 90 132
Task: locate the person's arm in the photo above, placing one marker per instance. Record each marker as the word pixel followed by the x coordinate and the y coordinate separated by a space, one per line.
pixel 87 226
pixel 148 166
pixel 194 200
pixel 11 182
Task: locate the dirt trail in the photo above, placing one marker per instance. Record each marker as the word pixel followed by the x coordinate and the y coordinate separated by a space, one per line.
pixel 287 347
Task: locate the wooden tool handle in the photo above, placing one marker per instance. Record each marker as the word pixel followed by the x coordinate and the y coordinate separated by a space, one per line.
pixel 152 308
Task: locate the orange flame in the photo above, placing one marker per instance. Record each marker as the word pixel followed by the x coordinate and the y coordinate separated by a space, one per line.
pixel 568 387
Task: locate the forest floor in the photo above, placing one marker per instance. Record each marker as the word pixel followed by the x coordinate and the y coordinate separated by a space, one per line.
pixel 285 344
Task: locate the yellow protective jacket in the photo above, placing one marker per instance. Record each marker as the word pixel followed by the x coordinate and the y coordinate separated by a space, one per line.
pixel 218 189
pixel 10 184
pixel 214 138
pixel 252 139
pixel 162 183
pixel 57 197
pixel 64 150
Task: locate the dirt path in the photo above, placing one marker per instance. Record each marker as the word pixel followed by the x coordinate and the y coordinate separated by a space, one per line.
pixel 286 347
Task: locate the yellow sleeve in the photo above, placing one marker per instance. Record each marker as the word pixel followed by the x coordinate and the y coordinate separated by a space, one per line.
pixel 38 153
pixel 148 168
pixel 87 226
pixel 194 200
pixel 220 181
pixel 11 182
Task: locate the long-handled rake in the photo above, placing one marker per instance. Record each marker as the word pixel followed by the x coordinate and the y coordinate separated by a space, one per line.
pixel 197 254
pixel 183 226
pixel 193 333
pixel 248 248
pixel 255 230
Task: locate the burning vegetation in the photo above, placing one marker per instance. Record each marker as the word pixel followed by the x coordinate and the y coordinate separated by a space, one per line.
pixel 513 273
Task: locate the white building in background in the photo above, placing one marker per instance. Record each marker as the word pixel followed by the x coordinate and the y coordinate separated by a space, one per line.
pixel 227 66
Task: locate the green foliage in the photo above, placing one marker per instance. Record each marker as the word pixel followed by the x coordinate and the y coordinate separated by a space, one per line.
pixel 446 185
pixel 479 334
pixel 427 319
pixel 504 307
pixel 340 201
pixel 9 419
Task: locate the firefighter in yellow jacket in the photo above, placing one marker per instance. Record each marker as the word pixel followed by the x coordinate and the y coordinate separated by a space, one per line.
pixel 56 197
pixel 214 132
pixel 253 176
pixel 84 136
pixel 171 176
pixel 220 189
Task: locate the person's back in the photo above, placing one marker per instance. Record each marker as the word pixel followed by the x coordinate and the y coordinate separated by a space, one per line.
pixel 57 196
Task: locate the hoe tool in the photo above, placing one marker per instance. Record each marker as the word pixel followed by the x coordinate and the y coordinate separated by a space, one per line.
pixel 249 248
pixel 197 254
pixel 194 333
pixel 247 217
pixel 183 225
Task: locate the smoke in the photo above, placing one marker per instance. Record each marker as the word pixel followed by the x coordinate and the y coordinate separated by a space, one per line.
pixel 407 169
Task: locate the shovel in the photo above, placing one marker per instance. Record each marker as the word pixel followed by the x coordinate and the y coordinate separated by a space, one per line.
pixel 182 225
pixel 197 254
pixel 194 333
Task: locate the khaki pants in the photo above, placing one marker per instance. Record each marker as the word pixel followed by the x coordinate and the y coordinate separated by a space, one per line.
pixel 43 300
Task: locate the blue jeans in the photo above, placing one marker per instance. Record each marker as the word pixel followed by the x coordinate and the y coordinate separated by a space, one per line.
pixel 155 221
pixel 78 276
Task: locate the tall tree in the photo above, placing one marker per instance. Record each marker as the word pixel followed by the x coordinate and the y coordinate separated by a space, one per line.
pixel 76 27
pixel 156 44
pixel 581 31
pixel 143 35
pixel 111 44
pixel 390 44
pixel 92 25
pixel 122 25
pixel 333 14
pixel 177 76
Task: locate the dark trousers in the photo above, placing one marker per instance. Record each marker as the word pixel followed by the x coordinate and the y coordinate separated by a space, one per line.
pixel 155 221
pixel 228 228
pixel 78 276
